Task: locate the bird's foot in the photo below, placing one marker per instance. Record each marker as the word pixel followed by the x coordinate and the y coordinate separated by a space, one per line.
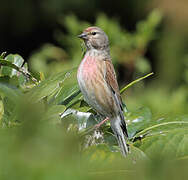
pixel 101 123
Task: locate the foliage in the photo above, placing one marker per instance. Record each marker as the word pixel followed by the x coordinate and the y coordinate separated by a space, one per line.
pixel 48 131
pixel 46 125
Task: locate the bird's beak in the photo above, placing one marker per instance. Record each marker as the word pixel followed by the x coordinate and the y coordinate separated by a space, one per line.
pixel 82 36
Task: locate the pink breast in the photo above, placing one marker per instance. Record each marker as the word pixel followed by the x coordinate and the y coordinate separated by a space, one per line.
pixel 89 67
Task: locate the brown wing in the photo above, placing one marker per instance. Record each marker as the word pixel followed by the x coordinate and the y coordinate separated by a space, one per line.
pixel 111 80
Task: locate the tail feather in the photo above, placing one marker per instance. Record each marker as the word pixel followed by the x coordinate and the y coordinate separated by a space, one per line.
pixel 123 145
pixel 120 131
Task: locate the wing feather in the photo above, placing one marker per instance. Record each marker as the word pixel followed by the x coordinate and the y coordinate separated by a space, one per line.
pixel 111 80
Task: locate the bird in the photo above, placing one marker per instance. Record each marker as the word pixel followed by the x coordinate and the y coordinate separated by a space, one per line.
pixel 98 84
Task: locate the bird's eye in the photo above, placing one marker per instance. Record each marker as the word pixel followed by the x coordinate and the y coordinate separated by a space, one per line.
pixel 93 33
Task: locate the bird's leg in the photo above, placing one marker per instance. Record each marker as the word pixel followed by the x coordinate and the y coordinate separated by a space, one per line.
pixel 101 123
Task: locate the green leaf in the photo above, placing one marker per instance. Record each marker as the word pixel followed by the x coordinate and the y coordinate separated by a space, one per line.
pixel 52 85
pixel 11 68
pixel 7 70
pixel 172 143
pixel 138 120
pixel 10 97
pixel 103 152
pixel 69 94
pixel 136 154
pixel 83 119
pixel 100 152
pixel 165 124
pixel 53 113
pixel 10 92
pixel 169 137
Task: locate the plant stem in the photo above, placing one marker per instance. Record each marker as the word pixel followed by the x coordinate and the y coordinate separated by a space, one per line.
pixel 135 81
pixel 158 125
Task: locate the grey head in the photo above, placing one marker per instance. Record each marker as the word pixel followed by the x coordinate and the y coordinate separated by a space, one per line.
pixel 95 38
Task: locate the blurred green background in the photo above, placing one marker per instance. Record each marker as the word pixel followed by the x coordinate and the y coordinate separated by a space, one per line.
pixel 44 32
pixel 145 36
